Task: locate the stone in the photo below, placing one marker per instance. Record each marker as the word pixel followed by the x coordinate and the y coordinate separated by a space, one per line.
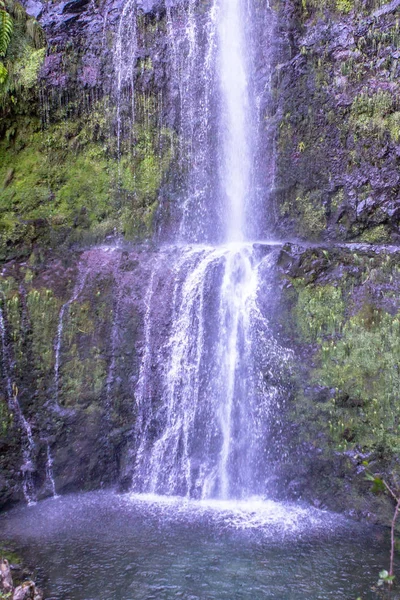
pixel 27 591
pixel 34 8
pixel 6 582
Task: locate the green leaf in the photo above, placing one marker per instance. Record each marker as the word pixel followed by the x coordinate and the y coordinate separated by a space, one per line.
pixel 378 486
pixel 369 477
pixel 3 73
pixel 383 574
pixel 6 29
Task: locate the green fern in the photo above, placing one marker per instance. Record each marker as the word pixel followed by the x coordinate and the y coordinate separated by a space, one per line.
pixel 3 73
pixel 6 29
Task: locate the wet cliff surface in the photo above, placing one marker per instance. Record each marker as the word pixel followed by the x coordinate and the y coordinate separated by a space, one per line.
pixel 338 137
pixel 74 310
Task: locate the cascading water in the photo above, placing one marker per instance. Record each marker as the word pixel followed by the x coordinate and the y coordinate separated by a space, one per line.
pixel 28 443
pixel 235 163
pixel 203 405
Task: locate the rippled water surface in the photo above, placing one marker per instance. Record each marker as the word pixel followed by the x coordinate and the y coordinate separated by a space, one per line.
pixel 104 546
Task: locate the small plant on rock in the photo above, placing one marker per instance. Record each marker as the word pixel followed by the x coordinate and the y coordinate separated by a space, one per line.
pixel 391 486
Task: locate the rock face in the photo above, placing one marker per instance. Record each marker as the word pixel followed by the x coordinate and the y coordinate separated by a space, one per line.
pixel 338 139
pixel 78 322
pixel 339 310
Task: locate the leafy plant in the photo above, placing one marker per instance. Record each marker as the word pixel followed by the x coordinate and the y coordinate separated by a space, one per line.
pixel 21 51
pixel 385 578
pixel 6 30
pixel 393 489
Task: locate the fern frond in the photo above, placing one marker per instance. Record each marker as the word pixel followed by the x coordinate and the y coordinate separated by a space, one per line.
pixel 6 29
pixel 3 73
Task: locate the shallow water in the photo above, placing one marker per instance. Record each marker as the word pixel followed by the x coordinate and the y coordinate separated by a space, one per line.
pixel 106 546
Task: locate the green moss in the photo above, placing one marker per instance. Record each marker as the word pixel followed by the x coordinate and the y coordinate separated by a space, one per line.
pixel 12 557
pixel 362 366
pixel 65 183
pixel 6 418
pixel 337 199
pixel 83 379
pixel 80 320
pixel 27 68
pixel 378 234
pixel 319 311
pixel 357 359
pixel 344 6
pixel 375 113
pixel 309 213
pixel 340 6
pixel 43 308
pixel 393 122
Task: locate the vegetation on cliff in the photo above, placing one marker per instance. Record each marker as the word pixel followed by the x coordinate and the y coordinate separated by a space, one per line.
pixel 344 306
pixel 338 138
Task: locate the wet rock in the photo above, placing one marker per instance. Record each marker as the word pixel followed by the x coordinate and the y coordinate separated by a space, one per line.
pixel 384 10
pixel 34 8
pixel 27 591
pixel 75 6
pixel 6 582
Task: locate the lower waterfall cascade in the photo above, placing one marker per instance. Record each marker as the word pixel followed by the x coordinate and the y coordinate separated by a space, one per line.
pixel 206 435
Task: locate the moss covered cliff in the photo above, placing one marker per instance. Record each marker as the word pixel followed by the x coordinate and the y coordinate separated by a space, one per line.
pixel 340 312
pixel 67 174
pixel 338 138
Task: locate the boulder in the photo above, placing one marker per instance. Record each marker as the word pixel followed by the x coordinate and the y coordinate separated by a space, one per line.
pixel 6 582
pixel 27 591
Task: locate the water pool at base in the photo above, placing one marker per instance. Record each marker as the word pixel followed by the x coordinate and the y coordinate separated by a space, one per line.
pixel 105 546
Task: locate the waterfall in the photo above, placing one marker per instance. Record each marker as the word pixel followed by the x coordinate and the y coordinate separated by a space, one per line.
pixel 192 55
pixel 235 163
pixel 208 390
pixel 203 402
pixel 125 63
pixel 51 484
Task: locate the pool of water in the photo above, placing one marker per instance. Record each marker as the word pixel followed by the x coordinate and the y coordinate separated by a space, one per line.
pixel 105 546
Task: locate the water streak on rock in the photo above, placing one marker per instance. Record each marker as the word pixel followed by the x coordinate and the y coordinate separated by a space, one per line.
pixel 28 444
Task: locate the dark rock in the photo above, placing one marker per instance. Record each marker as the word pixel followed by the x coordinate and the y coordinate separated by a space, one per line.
pixel 74 6
pixel 388 8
